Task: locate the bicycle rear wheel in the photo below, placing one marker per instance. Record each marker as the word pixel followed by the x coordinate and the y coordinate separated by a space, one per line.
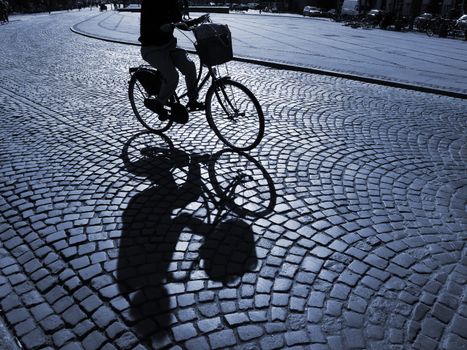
pixel 137 92
pixel 235 115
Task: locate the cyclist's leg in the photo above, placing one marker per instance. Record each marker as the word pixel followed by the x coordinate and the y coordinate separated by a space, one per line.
pixel 159 58
pixel 188 68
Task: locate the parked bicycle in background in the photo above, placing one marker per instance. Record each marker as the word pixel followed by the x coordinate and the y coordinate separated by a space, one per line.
pixel 445 28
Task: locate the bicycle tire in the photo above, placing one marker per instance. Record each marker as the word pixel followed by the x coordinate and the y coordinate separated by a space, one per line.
pixel 137 94
pixel 254 196
pixel 235 115
pixel 429 31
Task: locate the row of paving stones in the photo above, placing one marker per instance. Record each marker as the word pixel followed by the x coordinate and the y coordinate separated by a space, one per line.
pixel 103 249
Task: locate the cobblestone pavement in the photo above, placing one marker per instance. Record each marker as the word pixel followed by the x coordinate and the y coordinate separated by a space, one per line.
pixel 357 238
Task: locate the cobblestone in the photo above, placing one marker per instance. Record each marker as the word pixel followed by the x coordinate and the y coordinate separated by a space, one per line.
pixel 365 247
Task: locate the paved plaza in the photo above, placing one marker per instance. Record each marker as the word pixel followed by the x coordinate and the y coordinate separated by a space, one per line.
pixel 411 59
pixel 356 239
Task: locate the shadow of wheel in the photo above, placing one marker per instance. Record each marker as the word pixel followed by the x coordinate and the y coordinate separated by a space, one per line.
pixel 242 183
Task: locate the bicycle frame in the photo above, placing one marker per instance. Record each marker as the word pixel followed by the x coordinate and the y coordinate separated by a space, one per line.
pixel 200 83
pixel 211 73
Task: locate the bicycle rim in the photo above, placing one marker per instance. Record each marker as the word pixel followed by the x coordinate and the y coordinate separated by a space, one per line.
pixel 235 115
pixel 242 183
pixel 148 118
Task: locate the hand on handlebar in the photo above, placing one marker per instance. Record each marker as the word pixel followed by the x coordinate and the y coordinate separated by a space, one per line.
pixel 199 20
pixel 185 25
pixel 182 25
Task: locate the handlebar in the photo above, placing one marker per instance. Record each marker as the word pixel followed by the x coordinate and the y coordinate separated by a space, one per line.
pixel 188 25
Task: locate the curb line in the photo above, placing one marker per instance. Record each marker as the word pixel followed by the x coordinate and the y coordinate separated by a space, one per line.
pixel 284 66
pixel 360 78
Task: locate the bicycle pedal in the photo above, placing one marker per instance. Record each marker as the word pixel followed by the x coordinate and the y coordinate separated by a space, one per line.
pixel 178 113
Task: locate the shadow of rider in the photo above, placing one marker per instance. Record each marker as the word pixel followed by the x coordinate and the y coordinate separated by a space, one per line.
pixel 150 234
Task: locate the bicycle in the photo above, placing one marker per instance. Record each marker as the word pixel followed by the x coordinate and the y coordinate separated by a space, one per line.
pixel 232 110
pixel 443 28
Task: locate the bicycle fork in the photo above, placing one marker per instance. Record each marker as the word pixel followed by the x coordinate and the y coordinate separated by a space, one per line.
pixel 219 90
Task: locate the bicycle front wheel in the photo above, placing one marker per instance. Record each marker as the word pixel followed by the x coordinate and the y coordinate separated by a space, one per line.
pixel 138 94
pixel 235 115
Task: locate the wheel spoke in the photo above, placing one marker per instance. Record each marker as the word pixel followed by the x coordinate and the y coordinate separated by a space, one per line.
pixel 235 115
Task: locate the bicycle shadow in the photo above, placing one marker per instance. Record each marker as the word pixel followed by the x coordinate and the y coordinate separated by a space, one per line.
pixel 149 258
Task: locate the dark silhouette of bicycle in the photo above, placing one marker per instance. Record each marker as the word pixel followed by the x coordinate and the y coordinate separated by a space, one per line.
pixel 232 110
pixel 444 27
pixel 211 195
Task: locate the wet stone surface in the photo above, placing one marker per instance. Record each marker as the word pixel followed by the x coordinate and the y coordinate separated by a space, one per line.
pixel 354 238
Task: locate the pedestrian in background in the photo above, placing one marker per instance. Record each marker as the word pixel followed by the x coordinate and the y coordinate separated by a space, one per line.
pixel 4 8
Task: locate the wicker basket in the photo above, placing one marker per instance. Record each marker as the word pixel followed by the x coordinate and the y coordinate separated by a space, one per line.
pixel 213 44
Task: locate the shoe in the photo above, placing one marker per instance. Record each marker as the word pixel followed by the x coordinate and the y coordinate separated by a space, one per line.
pixel 201 158
pixel 178 113
pixel 156 107
pixel 195 106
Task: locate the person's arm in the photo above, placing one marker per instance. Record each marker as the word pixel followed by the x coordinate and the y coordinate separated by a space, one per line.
pixel 184 25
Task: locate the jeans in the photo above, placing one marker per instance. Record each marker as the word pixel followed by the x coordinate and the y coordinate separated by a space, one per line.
pixel 167 59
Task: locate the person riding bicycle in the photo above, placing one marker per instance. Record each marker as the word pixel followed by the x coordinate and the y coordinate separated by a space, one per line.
pixel 159 49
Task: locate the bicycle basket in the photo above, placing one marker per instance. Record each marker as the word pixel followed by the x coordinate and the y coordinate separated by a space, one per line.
pixel 150 80
pixel 213 43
